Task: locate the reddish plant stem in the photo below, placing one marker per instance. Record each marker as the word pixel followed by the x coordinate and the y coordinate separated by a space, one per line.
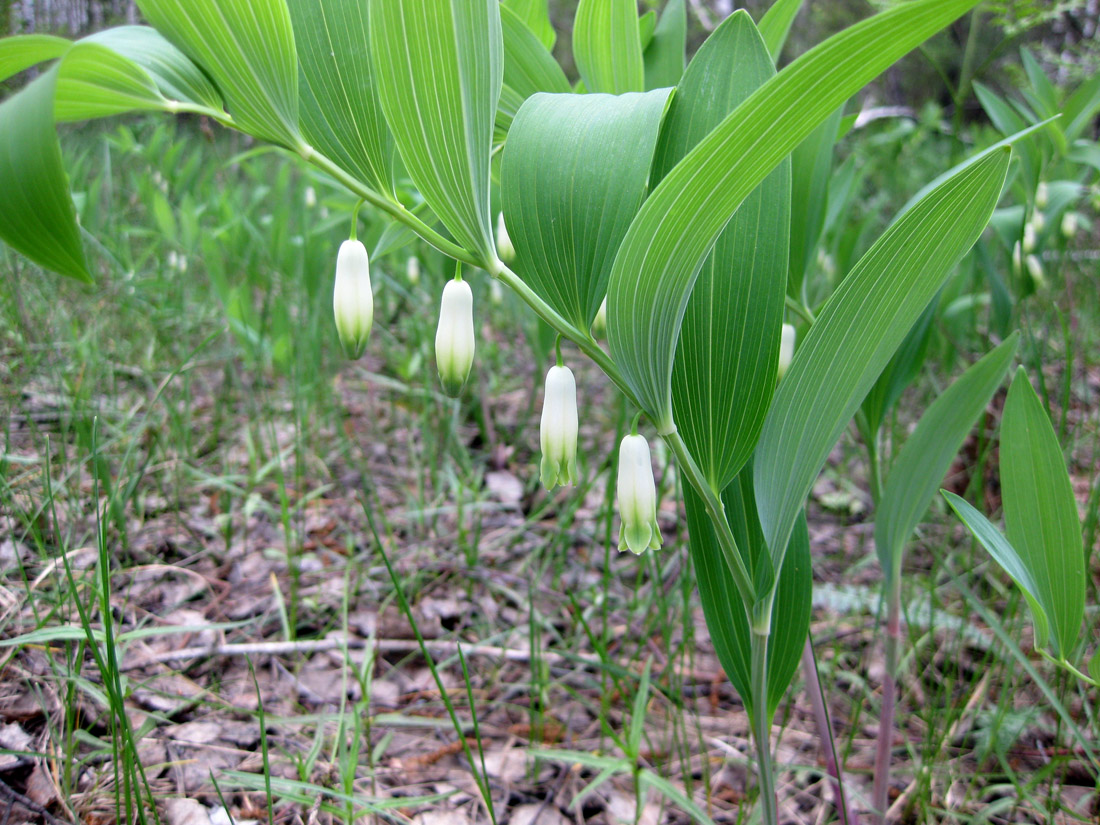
pixel 825 732
pixel 889 700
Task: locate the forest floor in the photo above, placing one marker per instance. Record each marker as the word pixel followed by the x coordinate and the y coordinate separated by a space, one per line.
pixel 248 573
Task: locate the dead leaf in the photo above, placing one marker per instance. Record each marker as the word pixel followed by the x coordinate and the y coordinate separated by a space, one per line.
pixel 544 814
pixel 507 764
pixel 185 812
pixel 504 486
pixel 40 787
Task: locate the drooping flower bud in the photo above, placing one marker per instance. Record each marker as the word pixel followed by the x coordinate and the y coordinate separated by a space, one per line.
pixel 558 432
pixel 786 349
pixel 454 337
pixel 1030 237
pixel 1069 225
pixel 496 292
pixel 310 197
pixel 599 323
pixel 352 299
pixel 505 250
pixel 1035 270
pixel 1040 221
pixel 637 495
pixel 412 270
pixel 1017 259
pixel 1042 195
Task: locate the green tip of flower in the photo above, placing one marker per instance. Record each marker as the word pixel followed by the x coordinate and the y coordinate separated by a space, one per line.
pixel 452 387
pixel 639 538
pixel 354 349
pixel 554 474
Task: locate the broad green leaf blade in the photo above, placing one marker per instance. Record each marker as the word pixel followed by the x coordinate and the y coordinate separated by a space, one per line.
pixel 928 452
pixel 1040 83
pixel 535 14
pixel 856 334
pixel 1009 121
pixel 439 68
pixel 176 77
pixel 606 46
pixel 36 212
pixel 25 50
pixel 1041 512
pixel 647 23
pixel 722 607
pixel 775 25
pixel 677 225
pixel 528 66
pixel 811 167
pixel 725 368
pixel 340 112
pixel 665 54
pixel 572 178
pixel 900 372
pixel 1081 107
pixel 1006 556
pixel 247 48
pixel 95 81
pixel 1012 140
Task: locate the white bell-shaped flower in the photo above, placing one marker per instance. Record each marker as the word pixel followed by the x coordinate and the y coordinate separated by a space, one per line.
pixel 637 494
pixel 505 250
pixel 1035 270
pixel 1069 225
pixel 454 337
pixel 352 299
pixel 412 270
pixel 786 348
pixel 1042 195
pixel 599 323
pixel 1031 237
pixel 558 432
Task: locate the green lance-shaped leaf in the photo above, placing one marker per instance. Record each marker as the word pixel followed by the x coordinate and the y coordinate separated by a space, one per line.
pixel 36 212
pixel 903 368
pixel 660 258
pixel 811 168
pixel 95 81
pixel 25 50
pixel 535 14
pixel 857 333
pixel 572 178
pixel 725 367
pixel 664 56
pixel 1006 556
pixel 928 452
pixel 1041 512
pixel 722 606
pixel 183 84
pixel 439 67
pixel 247 48
pixel 528 68
pixel 528 65
pixel 1081 107
pixel 606 46
pixel 775 25
pixel 340 112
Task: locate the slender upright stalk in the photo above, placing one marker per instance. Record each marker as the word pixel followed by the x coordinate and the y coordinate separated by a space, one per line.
pixel 825 731
pixel 761 727
pixel 889 698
